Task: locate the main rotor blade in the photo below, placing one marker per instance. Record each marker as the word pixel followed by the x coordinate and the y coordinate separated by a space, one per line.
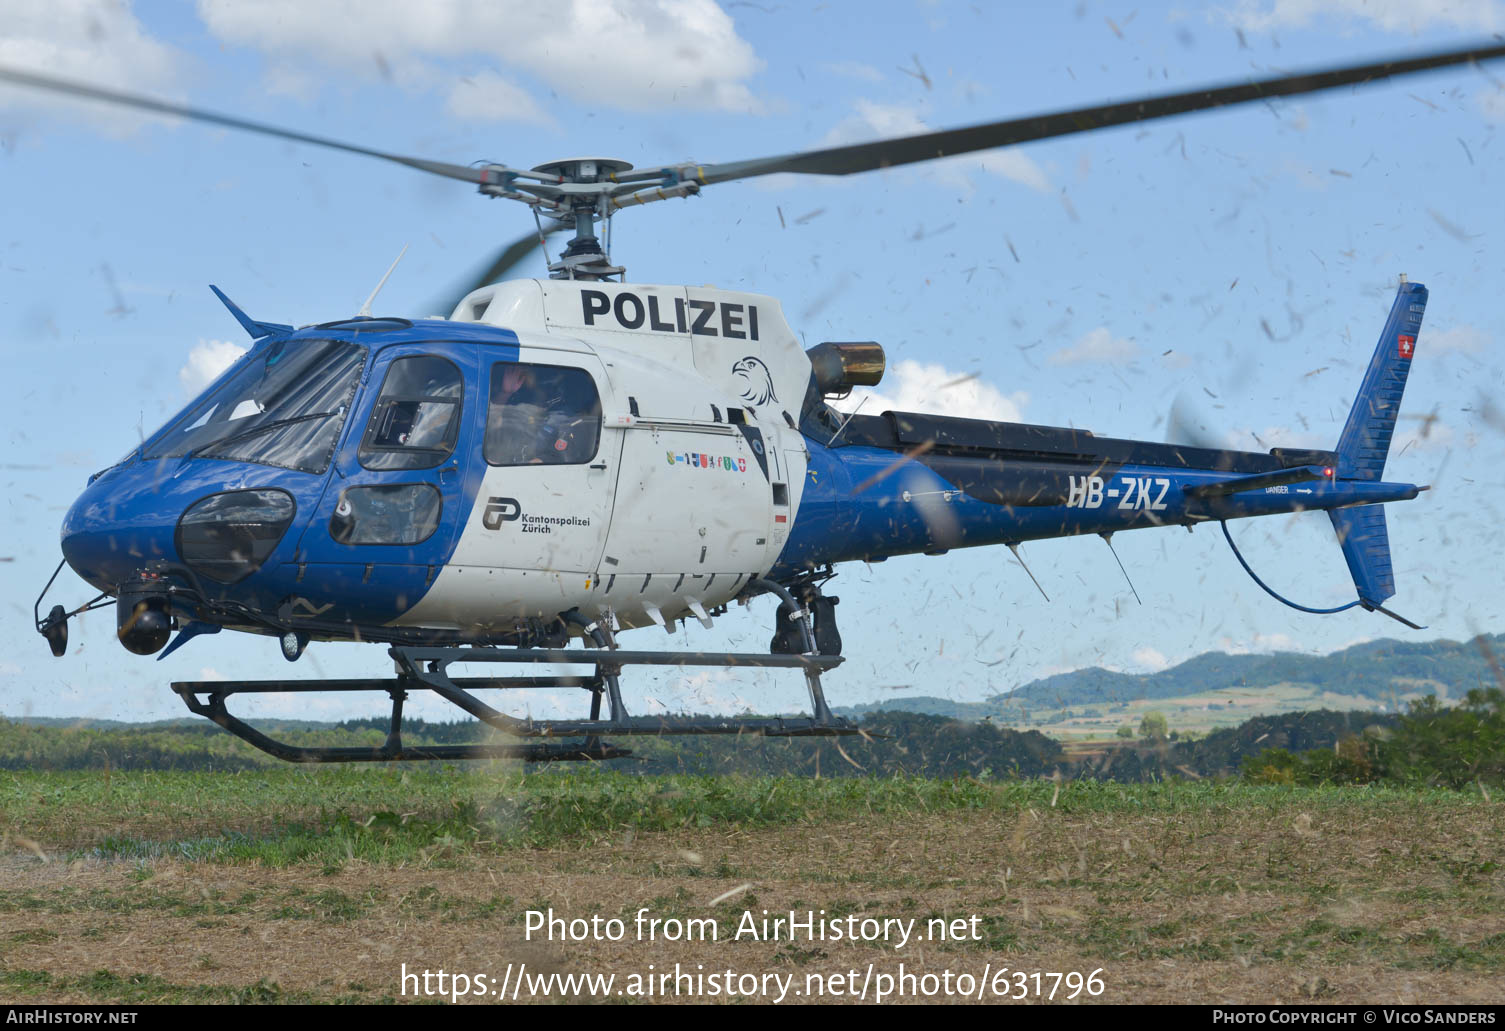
pixel 904 150
pixel 163 107
pixel 509 256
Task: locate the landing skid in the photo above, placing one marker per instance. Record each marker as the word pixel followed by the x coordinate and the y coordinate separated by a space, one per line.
pixel 426 669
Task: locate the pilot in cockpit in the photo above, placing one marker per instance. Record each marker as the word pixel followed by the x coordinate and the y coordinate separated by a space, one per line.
pixel 518 385
pixel 541 416
pixel 516 412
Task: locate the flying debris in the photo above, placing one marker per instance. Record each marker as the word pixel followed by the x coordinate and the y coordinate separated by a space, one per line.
pixel 574 458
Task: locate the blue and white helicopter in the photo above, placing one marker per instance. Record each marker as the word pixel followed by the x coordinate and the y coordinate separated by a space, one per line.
pixel 579 456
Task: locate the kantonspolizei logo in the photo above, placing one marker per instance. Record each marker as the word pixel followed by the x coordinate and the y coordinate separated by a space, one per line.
pixel 506 510
pixel 696 460
pixel 499 511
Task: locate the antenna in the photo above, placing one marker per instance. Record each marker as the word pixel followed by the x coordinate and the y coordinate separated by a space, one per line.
pixel 1015 549
pixel 366 308
pixel 1108 540
pixel 848 419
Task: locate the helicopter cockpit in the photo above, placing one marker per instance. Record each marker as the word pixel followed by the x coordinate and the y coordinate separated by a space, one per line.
pixel 541 415
pixel 282 405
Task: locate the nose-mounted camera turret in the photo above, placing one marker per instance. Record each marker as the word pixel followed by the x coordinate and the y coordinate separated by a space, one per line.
pixel 143 614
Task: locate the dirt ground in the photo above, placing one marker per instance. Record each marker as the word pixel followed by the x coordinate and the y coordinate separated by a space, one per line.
pixel 1257 906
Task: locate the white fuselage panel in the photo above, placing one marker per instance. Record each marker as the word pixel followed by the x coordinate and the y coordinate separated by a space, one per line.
pixel 696 479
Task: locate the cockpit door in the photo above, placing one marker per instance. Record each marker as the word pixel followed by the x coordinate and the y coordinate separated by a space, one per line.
pixel 548 454
pixel 550 459
pixel 402 484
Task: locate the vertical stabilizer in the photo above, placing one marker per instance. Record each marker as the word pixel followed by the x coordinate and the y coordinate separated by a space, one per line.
pixel 1366 546
pixel 1365 443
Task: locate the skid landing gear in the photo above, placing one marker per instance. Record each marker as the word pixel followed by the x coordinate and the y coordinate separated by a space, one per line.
pixel 426 669
pixel 807 616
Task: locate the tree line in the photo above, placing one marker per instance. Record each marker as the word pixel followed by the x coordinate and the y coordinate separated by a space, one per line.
pixel 1430 744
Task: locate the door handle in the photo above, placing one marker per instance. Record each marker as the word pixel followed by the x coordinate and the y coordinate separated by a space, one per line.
pixel 452 467
pixel 599 465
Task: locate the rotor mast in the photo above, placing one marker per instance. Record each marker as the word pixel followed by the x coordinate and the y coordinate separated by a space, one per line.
pixel 579 193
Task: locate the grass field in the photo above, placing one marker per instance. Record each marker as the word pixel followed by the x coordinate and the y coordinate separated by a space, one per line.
pixel 314 885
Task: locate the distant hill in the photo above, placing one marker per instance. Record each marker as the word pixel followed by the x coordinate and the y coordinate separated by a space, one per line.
pixel 1376 671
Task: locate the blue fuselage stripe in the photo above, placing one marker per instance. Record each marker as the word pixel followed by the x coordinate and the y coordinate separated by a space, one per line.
pixel 905 507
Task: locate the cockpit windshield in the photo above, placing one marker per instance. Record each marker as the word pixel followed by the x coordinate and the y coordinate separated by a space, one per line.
pixel 282 405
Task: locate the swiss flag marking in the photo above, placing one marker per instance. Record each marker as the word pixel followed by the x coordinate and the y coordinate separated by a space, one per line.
pixel 1407 346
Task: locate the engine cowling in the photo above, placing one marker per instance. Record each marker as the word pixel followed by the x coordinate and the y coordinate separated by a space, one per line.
pixel 839 367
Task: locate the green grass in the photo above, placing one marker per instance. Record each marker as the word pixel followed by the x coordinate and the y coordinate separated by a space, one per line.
pixel 291 816
pixel 105 987
pixel 1344 892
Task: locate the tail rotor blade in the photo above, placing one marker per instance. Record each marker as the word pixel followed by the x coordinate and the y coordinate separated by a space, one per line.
pixel 1184 425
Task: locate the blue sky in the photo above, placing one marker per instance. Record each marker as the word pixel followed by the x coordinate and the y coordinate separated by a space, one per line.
pixel 1239 261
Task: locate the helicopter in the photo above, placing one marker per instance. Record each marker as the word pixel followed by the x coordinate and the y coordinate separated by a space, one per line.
pixel 579 456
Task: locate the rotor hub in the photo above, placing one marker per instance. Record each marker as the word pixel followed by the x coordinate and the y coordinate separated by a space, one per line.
pixel 579 195
pixel 584 170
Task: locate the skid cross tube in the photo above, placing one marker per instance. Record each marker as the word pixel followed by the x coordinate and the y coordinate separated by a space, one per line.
pixel 426 669
pixel 429 666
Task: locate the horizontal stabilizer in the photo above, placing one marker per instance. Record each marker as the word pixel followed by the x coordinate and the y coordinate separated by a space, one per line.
pixel 1366 546
pixel 1279 478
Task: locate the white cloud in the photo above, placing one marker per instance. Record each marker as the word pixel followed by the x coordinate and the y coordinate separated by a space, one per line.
pixel 873 121
pixel 910 386
pixel 206 361
pixel 632 54
pixel 1461 339
pixel 1422 431
pixel 490 98
pixel 1098 346
pixel 97 41
pixel 1261 644
pixel 1151 659
pixel 1407 16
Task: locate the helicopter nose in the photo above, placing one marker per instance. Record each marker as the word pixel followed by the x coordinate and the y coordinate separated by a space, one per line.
pixel 135 520
pixel 115 528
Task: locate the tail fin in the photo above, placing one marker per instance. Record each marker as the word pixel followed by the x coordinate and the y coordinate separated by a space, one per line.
pixel 1366 546
pixel 1365 444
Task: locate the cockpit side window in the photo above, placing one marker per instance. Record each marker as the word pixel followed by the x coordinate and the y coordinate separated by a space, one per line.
pixel 417 417
pixel 542 415
pixel 283 405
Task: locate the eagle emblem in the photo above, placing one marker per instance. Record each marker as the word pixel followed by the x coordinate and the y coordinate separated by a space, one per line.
pixel 759 389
